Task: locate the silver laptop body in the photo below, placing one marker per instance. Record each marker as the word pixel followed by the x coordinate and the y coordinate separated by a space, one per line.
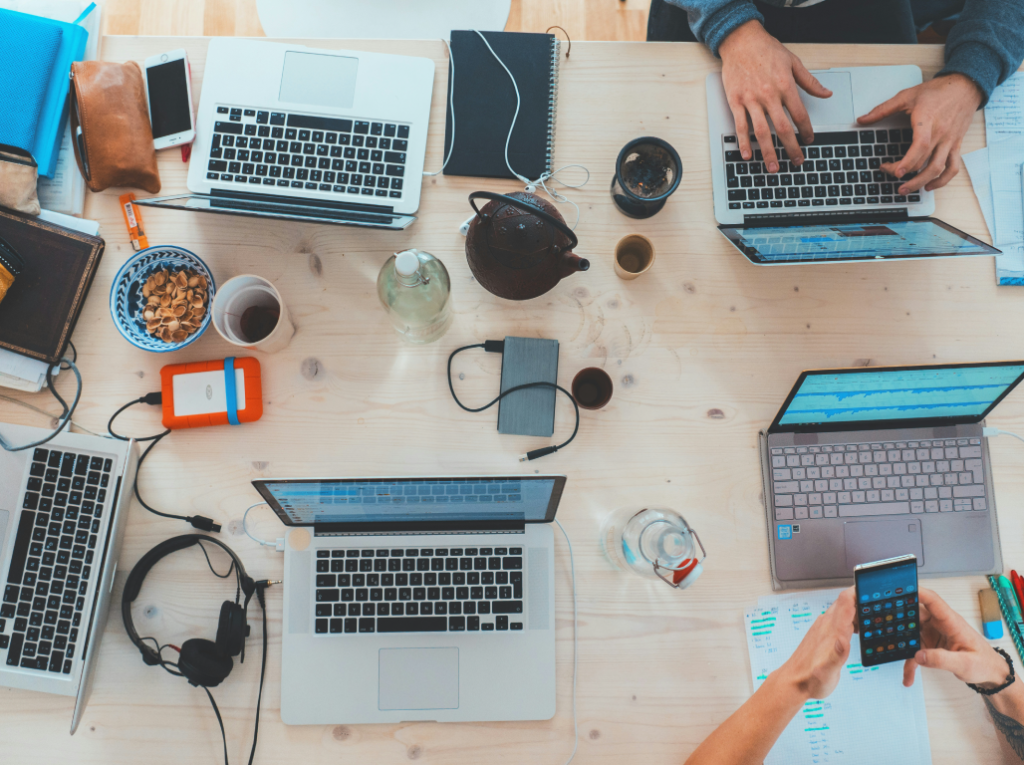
pixel 63 512
pixel 330 136
pixel 868 463
pixel 839 206
pixel 477 553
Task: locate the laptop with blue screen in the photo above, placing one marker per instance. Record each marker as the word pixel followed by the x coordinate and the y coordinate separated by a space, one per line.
pixel 427 598
pixel 839 205
pixel 870 463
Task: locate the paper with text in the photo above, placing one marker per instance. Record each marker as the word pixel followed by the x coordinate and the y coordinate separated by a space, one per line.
pixel 870 717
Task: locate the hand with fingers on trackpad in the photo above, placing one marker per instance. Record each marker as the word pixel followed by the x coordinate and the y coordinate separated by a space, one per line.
pixel 762 80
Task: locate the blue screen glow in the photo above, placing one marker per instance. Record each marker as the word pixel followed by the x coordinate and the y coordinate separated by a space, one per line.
pixel 898 394
pixel 407 500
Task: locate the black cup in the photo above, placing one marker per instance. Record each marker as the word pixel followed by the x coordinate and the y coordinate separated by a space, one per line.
pixel 647 172
pixel 592 388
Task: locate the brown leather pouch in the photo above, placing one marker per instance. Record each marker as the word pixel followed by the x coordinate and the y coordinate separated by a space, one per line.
pixel 115 145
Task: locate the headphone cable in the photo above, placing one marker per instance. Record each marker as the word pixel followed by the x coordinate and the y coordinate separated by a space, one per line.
pixel 223 735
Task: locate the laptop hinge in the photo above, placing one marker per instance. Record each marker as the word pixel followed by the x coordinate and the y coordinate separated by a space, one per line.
pixel 424 527
pixel 319 204
pixel 765 220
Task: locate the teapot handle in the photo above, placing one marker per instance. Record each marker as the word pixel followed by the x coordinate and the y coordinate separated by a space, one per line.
pixel 519 203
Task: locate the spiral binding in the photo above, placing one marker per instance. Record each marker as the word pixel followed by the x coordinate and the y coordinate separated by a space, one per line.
pixel 556 45
pixel 1018 639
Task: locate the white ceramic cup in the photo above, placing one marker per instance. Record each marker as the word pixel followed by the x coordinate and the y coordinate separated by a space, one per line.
pixel 234 297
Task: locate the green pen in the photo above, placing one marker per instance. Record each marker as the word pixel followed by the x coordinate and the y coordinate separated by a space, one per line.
pixel 1006 592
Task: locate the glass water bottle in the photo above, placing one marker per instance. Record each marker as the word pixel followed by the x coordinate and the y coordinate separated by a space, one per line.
pixel 414 288
pixel 653 542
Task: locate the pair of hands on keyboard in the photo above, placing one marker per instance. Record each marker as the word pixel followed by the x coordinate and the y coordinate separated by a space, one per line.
pixel 761 77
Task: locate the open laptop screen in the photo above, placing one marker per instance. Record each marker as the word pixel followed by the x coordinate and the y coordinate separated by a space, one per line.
pixel 830 242
pixel 865 397
pixel 304 502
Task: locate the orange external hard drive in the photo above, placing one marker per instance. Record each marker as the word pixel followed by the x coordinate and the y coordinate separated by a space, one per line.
pixel 222 392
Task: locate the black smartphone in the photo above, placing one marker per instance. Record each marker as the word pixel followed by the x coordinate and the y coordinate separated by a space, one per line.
pixel 887 610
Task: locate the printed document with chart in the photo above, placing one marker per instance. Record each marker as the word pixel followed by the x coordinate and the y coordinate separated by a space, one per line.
pixel 870 716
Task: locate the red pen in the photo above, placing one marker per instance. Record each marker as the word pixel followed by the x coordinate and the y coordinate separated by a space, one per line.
pixel 1018 586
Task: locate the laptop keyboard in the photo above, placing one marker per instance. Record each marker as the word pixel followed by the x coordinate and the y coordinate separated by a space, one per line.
pixel 52 560
pixel 840 168
pixel 258 147
pixel 886 478
pixel 419 590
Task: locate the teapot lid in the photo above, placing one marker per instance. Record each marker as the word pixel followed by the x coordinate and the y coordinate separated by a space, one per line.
pixel 526 207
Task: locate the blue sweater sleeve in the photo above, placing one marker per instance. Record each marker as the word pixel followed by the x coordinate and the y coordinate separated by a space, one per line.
pixel 711 21
pixel 987 43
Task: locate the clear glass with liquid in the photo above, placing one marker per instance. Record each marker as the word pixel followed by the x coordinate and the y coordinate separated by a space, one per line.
pixel 655 542
pixel 415 290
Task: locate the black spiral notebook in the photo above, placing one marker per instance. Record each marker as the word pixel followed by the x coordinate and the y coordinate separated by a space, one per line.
pixel 484 102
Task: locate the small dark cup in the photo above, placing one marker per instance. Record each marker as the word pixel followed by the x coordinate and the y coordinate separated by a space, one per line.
pixel 647 172
pixel 592 388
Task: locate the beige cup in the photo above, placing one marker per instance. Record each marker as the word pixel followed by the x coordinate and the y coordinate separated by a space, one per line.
pixel 634 255
pixel 248 302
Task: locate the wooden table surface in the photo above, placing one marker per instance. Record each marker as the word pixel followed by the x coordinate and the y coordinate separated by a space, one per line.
pixel 702 351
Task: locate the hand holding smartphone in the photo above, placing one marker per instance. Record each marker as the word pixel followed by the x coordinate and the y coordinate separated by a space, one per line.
pixel 169 92
pixel 887 610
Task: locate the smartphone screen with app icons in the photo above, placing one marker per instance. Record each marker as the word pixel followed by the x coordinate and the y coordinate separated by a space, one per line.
pixel 887 610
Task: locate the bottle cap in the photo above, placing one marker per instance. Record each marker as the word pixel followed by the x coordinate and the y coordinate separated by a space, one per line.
pixel 406 263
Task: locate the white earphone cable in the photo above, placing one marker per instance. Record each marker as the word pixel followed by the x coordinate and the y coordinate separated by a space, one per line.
pixel 278 545
pixel 575 646
pixel 531 186
pixel 451 109
pixel 992 432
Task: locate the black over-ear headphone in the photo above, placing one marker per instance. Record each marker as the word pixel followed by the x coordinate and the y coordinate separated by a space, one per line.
pixel 202 662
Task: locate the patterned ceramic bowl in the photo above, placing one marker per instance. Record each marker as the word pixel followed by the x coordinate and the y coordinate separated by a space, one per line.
pixel 127 302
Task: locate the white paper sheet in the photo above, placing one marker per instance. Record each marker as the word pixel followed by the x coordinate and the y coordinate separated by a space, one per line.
pixel 1004 112
pixel 981 179
pixel 21 372
pixel 870 717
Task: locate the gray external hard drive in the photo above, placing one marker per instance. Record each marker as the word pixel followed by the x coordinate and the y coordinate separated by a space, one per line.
pixel 529 412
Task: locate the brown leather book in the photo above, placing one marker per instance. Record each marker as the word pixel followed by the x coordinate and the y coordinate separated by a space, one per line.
pixel 39 312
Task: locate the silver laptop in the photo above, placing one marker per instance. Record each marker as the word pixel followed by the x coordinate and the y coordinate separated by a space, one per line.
pixel 63 511
pixel 417 598
pixel 330 136
pixel 870 463
pixel 839 205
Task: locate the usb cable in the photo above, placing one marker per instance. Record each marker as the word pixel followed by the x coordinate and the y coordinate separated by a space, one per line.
pixel 498 346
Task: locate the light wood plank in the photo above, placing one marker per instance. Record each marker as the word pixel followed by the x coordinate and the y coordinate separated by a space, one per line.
pixel 702 351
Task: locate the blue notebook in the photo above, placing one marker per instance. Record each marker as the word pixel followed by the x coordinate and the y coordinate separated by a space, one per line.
pixel 35 61
pixel 28 49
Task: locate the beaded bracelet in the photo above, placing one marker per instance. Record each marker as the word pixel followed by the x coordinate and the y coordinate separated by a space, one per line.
pixel 1009 680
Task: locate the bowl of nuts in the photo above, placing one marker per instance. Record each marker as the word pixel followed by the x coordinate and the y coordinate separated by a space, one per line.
pixel 160 299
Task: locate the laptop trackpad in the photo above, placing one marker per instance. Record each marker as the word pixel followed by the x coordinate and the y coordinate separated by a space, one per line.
pixel 419 678
pixel 868 541
pixel 835 110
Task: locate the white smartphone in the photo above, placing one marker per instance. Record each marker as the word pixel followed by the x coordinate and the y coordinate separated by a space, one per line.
pixel 169 93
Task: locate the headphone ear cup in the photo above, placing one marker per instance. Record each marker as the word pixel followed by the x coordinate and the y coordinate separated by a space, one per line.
pixel 203 663
pixel 231 628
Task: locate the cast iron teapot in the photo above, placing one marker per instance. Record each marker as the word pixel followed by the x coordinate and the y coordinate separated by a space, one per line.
pixel 519 246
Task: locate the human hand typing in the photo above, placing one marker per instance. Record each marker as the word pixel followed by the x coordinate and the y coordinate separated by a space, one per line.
pixel 814 667
pixel 760 77
pixel 940 112
pixel 950 643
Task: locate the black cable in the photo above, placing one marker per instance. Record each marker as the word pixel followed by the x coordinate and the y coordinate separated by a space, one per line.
pixel 67 411
pixel 198 521
pixel 223 735
pixel 497 346
pixel 210 564
pixel 261 588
